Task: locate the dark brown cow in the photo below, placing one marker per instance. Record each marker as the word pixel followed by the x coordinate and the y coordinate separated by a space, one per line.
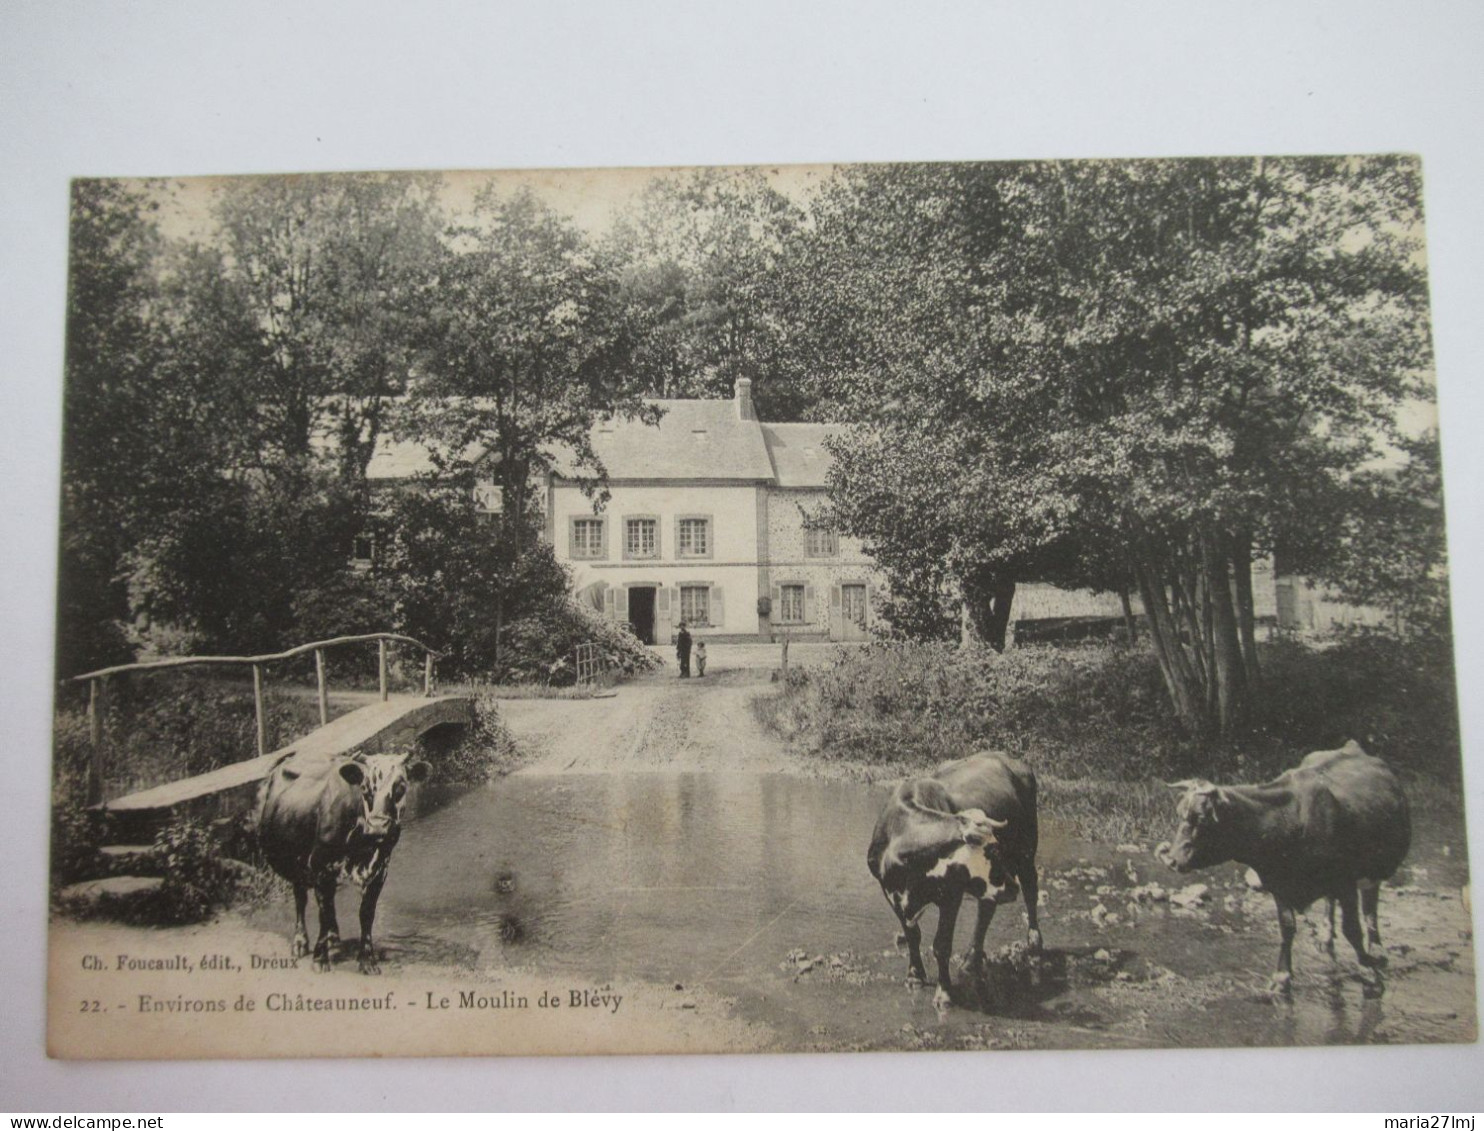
pixel 324 819
pixel 1336 824
pixel 970 829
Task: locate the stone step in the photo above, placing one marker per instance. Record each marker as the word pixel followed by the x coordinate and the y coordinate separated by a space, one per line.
pixel 123 853
pixel 113 891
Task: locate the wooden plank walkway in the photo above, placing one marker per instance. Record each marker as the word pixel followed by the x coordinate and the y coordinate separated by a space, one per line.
pixel 401 714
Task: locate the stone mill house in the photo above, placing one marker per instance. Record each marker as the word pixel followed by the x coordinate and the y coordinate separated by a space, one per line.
pixel 707 524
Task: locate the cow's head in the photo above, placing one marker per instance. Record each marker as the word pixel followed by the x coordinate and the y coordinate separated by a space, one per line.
pixel 947 854
pixel 979 840
pixel 1198 838
pixel 382 780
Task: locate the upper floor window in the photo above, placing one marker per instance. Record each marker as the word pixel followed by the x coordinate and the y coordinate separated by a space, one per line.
pixel 640 538
pixel 587 538
pixel 694 537
pixel 821 543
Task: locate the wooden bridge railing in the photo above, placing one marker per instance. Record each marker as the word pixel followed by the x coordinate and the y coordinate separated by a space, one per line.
pixel 98 686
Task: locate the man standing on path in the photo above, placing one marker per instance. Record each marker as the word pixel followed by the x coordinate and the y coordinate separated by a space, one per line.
pixel 682 651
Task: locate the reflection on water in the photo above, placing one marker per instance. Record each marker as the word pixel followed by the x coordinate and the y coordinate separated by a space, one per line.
pixel 664 876
pixel 756 885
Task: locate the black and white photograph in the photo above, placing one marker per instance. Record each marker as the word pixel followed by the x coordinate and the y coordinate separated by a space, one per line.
pixel 938 606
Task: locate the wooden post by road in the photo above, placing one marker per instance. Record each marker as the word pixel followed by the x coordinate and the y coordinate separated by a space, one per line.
pixel 324 690
pixel 428 676
pixel 381 649
pixel 257 695
pixel 95 734
pixel 785 659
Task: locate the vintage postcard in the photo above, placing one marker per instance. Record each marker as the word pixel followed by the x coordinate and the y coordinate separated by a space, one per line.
pixel 632 611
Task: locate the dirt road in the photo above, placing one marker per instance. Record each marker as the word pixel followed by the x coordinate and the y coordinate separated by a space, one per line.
pixel 661 722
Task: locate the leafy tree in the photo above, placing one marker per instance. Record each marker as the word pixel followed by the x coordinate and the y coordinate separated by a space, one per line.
pixel 457 583
pixel 289 332
pixel 112 349
pixel 329 273
pixel 703 261
pixel 1394 553
pixel 1151 371
pixel 527 350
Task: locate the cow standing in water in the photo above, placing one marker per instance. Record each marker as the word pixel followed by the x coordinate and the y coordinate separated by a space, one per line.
pixel 970 829
pixel 1335 825
pixel 324 819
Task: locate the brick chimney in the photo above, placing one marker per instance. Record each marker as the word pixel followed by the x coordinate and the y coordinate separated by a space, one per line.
pixel 745 411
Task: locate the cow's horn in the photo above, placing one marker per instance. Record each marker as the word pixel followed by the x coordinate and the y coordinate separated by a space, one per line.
pixel 996 825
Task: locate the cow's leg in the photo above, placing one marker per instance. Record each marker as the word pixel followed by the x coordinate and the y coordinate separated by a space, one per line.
pixel 912 936
pixel 1287 928
pixel 1370 899
pixel 329 929
pixel 981 928
pixel 372 893
pixel 943 947
pixel 1350 925
pixel 912 932
pixel 1030 891
pixel 301 933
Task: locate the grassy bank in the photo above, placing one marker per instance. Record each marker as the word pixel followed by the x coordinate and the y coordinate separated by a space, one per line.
pixel 1093 721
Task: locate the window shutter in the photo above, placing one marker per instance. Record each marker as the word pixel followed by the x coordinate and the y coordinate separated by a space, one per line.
pixel 572 538
pixel 777 614
pixel 663 623
pixel 621 603
pixel 808 604
pixel 837 613
pixel 718 616
pixel 609 607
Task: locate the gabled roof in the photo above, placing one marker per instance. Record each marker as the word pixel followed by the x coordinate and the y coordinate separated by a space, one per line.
pixel 800 458
pixel 694 439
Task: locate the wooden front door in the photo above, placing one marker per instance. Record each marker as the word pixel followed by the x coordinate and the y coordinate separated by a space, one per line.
pixel 853 612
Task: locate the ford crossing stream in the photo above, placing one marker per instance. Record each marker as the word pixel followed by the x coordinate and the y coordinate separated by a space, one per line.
pixel 751 888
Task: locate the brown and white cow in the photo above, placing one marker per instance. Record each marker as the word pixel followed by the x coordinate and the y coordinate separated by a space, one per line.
pixel 324 819
pixel 1335 825
pixel 969 829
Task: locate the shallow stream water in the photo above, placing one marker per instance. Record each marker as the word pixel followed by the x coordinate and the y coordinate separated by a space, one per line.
pixel 755 887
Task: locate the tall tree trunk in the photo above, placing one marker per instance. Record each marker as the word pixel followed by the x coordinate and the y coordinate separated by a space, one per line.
pixel 1182 681
pixel 1246 605
pixel 988 599
pixel 1230 673
pixel 1128 616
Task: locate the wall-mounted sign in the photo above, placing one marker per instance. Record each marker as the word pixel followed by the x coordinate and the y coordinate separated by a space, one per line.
pixel 489 498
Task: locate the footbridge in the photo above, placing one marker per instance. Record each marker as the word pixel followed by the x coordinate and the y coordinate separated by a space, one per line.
pixel 387 722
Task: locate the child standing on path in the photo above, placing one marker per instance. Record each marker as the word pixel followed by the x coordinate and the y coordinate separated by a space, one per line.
pixel 700 658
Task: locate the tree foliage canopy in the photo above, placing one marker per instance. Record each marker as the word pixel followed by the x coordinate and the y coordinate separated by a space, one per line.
pixel 1135 374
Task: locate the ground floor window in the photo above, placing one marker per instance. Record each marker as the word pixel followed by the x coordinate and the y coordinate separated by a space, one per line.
pixel 695 605
pixel 791 604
